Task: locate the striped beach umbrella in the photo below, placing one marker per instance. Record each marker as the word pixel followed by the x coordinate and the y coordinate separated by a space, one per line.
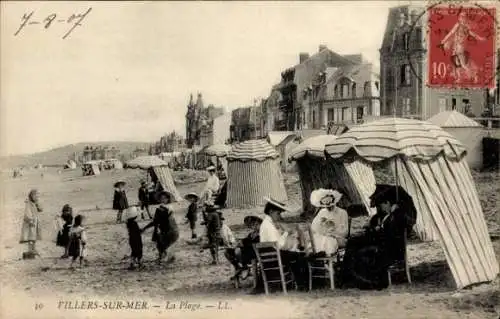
pixel 146 162
pixel 380 140
pixel 253 173
pixel 219 150
pixel 313 146
pixel 429 164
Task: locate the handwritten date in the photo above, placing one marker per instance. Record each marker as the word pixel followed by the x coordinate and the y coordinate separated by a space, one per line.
pixel 74 20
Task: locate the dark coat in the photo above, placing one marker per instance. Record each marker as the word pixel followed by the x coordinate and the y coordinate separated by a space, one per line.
pixel 134 238
pixel 166 231
pixel 120 201
pixel 192 215
pixel 143 195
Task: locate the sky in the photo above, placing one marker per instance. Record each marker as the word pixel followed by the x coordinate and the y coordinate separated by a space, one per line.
pixel 127 71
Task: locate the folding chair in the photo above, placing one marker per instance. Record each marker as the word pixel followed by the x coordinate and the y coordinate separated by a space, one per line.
pixel 401 266
pixel 321 265
pixel 269 259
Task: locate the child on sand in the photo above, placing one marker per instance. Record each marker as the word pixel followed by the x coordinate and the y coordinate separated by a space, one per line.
pixel 64 228
pixel 214 229
pixel 77 241
pixel 166 231
pixel 192 213
pixel 134 238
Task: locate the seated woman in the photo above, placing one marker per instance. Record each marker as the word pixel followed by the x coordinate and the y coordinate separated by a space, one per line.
pixel 330 226
pixel 368 256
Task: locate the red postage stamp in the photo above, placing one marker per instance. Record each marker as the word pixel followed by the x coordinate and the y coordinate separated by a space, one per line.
pixel 461 47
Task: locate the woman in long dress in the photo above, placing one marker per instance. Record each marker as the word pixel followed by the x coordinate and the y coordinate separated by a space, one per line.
pixel 330 225
pixel 31 231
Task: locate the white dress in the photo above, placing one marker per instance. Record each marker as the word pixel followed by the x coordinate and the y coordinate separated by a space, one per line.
pixel 327 226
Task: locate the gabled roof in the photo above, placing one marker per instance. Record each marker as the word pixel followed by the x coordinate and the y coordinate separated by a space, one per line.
pixel 453 119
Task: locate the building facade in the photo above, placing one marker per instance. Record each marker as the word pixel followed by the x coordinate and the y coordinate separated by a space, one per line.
pixel 93 153
pixel 247 123
pixel 307 90
pixel 199 122
pixel 404 70
pixel 341 95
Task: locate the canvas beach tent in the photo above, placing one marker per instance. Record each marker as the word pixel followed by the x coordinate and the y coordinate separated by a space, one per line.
pixel 159 170
pixel 70 165
pixel 91 168
pixel 284 142
pixel 429 164
pixel 253 172
pixel 220 151
pixel 466 130
pixel 316 170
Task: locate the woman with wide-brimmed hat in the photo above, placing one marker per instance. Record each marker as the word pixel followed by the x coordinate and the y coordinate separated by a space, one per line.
pixel 120 201
pixel 330 225
pixel 31 230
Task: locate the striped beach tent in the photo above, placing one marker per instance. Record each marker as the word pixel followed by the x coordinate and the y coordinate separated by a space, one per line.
pixel 429 164
pixel 159 168
pixel 254 172
pixel 355 179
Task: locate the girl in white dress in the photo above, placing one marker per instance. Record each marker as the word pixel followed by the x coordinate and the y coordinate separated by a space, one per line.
pixel 330 226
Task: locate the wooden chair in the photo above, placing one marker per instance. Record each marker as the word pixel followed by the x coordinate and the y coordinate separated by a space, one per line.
pixel 325 265
pixel 401 266
pixel 269 259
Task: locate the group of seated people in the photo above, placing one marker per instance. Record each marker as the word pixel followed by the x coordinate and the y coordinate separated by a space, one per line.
pixel 367 255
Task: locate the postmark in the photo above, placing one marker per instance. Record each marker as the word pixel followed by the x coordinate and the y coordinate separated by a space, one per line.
pixel 461 46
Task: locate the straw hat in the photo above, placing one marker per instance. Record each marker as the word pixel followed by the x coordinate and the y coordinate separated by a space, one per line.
pixel 275 204
pixel 325 197
pixel 119 183
pixel 190 196
pixel 211 168
pixel 131 212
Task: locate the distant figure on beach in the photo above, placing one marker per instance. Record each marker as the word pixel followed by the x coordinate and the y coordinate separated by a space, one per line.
pixel 77 241
pixel 134 238
pixel 64 228
pixel 192 213
pixel 120 202
pixel 31 230
pixel 144 199
pixel 212 186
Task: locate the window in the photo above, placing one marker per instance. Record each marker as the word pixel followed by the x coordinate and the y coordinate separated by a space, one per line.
pixel 467 105
pixel 360 112
pixel 336 91
pixel 405 74
pixel 314 118
pixel 377 85
pixel 442 104
pixel 344 114
pixel 303 118
pixel 345 91
pixel 353 90
pixel 453 104
pixel 330 115
pixel 366 89
pixel 406 106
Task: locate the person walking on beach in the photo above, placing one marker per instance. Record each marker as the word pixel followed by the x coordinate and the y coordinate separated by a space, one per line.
pixel 31 230
pixel 192 213
pixel 64 228
pixel 77 241
pixel 134 238
pixel 144 199
pixel 166 231
pixel 120 202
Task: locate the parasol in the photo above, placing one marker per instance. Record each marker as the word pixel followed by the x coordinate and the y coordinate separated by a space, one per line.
pixel 219 150
pixel 146 162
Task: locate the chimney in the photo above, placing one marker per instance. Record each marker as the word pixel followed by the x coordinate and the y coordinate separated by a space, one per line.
pixel 322 47
pixel 303 56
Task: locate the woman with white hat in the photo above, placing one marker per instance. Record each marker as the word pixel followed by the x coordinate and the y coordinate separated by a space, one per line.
pixel 212 186
pixel 330 226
